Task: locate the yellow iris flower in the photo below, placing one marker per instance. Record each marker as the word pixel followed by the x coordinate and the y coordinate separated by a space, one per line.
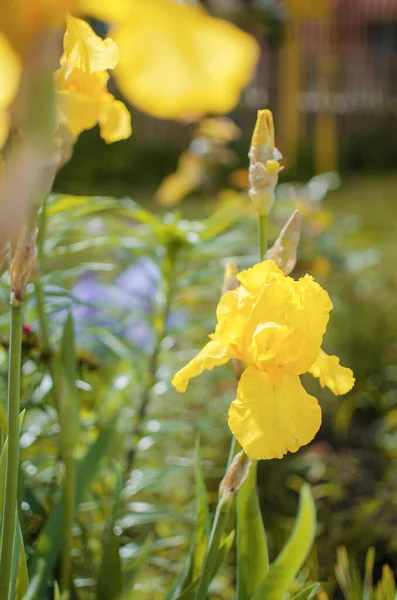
pixel 82 96
pixel 275 326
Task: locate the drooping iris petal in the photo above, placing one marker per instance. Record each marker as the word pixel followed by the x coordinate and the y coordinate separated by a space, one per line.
pixel 213 354
pixel 79 111
pixel 272 415
pixel 177 61
pixel 86 50
pixel 328 369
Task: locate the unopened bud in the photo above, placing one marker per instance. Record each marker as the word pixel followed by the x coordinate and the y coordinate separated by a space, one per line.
pixel 236 474
pixel 22 264
pixel 284 249
pixel 230 281
pixel 264 163
pixel 263 134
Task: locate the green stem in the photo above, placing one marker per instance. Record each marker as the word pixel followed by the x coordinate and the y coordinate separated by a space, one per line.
pixel 262 236
pixel 40 304
pixel 70 502
pixel 40 301
pixel 218 525
pixel 163 311
pixel 12 467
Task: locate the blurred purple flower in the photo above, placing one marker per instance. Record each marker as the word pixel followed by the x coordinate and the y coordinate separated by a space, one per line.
pixel 125 306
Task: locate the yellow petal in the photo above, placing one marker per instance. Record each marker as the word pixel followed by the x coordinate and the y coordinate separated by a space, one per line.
pixel 272 416
pixel 75 80
pixel 272 340
pixel 232 313
pixel 84 49
pixel 114 121
pixel 177 61
pixel 105 10
pixel 263 134
pixel 186 178
pixel 78 111
pixel 213 354
pixel 10 70
pixel 256 277
pixel 338 379
pixel 310 312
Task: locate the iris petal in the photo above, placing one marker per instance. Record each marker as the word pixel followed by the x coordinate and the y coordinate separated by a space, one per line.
pixel 273 414
pixel 328 369
pixel 213 354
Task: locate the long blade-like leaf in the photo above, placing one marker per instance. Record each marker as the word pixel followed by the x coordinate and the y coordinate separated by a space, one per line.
pixel 294 554
pixel 252 553
pixel 310 591
pixel 192 567
pixel 50 539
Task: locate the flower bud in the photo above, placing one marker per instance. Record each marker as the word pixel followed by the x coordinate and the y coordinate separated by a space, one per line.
pixel 236 474
pixel 230 281
pixel 264 163
pixel 284 249
pixel 22 264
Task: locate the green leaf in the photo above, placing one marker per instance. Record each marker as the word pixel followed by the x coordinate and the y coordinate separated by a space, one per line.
pixel 109 588
pixel 49 542
pixel 69 405
pixel 202 517
pixel 310 591
pixel 252 553
pixel 68 351
pixel 3 420
pixel 131 573
pixel 388 583
pixel 190 591
pixel 19 573
pixel 369 567
pixel 22 580
pixel 294 554
pixel 57 593
pixel 192 567
pixel 109 584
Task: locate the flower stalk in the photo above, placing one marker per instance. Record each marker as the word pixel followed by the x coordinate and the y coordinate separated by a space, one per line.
pixel 163 311
pixel 70 501
pixel 20 272
pixel 12 467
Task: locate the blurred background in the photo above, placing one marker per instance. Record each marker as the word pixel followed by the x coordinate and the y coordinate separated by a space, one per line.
pixel 328 72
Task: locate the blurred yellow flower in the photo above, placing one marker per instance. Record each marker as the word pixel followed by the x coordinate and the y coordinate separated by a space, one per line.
pixel 220 130
pixel 10 72
pixel 275 326
pixel 176 186
pixel 82 97
pixel 177 61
